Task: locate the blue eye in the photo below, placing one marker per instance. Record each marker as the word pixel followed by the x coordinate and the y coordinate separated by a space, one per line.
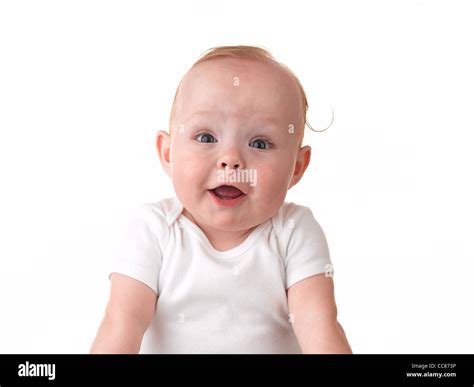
pixel 260 144
pixel 205 138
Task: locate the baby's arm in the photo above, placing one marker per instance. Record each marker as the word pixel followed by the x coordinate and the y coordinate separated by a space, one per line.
pixel 128 314
pixel 312 304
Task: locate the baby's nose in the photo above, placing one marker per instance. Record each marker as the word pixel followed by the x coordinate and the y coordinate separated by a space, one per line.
pixel 224 165
pixel 230 158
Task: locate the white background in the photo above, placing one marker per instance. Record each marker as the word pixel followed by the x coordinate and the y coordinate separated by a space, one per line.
pixel 86 85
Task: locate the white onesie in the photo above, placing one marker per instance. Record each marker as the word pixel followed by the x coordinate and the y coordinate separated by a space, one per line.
pixel 211 301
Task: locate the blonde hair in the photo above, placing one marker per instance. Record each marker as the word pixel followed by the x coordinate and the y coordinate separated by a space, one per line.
pixel 247 52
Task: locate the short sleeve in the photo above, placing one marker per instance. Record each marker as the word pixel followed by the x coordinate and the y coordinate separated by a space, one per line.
pixel 137 252
pixel 307 252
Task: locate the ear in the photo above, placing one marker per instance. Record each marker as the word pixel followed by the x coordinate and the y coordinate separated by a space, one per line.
pixel 302 162
pixel 163 147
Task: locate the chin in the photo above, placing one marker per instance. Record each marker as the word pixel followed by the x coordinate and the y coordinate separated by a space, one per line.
pixel 229 223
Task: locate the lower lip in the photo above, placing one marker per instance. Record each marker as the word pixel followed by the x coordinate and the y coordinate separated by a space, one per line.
pixel 227 202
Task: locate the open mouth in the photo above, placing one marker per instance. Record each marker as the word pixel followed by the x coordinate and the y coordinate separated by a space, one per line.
pixel 227 192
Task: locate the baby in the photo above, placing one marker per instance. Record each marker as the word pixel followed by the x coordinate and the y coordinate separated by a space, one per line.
pixel 227 266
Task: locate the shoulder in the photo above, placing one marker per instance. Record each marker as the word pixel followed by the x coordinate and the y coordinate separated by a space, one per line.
pixel 297 227
pixel 302 242
pixel 151 220
pixel 293 217
pixel 163 212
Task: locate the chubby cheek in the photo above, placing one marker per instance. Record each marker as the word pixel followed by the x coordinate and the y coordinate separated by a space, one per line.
pixel 189 174
pixel 272 185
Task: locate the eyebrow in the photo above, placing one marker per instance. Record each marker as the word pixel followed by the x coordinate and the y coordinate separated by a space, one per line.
pixel 264 119
pixel 204 112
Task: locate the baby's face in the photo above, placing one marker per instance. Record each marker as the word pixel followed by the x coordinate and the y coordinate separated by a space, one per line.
pixel 236 123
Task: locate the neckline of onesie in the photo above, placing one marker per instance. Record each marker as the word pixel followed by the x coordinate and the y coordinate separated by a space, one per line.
pixel 231 253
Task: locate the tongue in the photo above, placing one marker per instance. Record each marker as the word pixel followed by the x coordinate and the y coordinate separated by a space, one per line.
pixel 227 192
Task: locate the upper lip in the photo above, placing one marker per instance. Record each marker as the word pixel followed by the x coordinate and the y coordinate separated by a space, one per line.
pixel 239 187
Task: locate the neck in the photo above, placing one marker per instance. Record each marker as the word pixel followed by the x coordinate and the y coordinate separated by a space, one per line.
pixel 221 240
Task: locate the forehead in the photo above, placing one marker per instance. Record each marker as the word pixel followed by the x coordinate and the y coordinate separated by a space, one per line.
pixel 241 88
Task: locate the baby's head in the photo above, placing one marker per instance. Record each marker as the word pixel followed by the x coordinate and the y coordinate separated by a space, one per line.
pixel 234 144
